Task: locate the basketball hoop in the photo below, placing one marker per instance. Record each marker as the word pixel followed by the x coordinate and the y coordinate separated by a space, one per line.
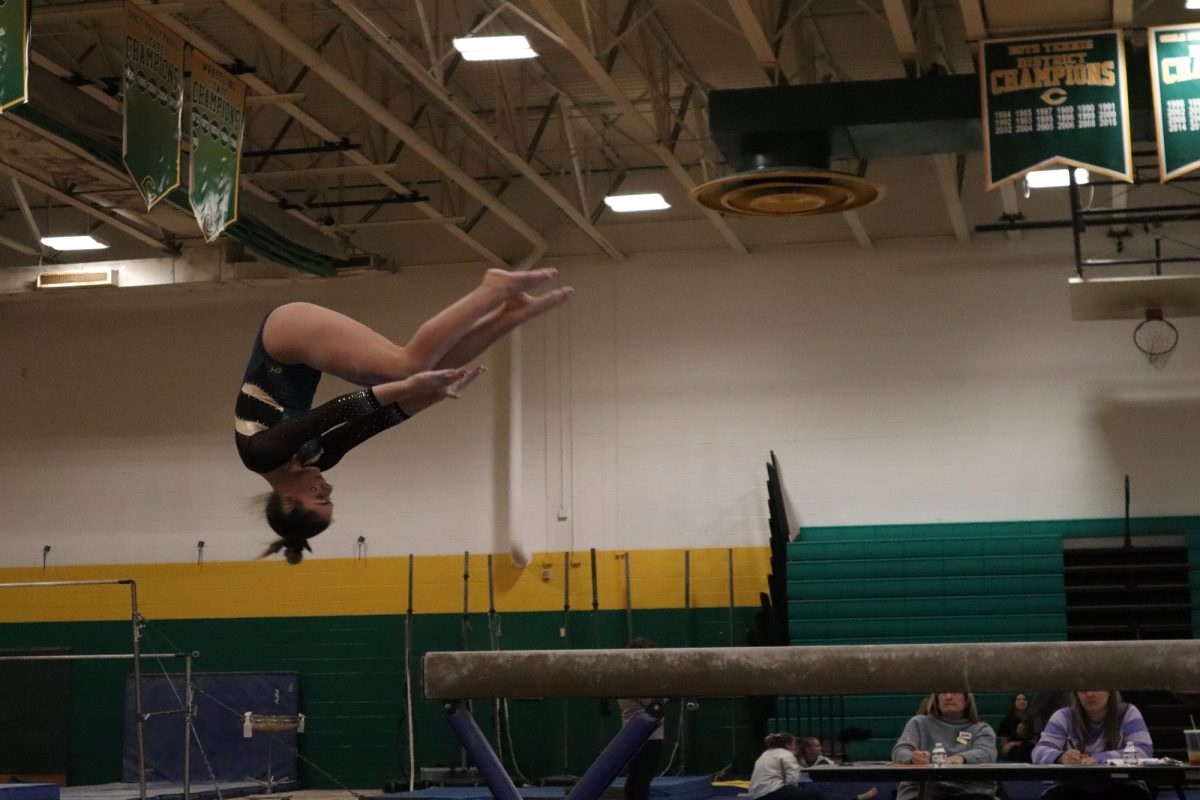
pixel 1156 338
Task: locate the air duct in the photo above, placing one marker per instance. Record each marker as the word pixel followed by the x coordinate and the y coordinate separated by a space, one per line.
pixel 76 278
pixel 782 139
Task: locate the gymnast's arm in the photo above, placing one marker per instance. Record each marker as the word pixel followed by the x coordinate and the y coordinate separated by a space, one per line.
pixel 418 392
pixel 276 445
pixel 345 438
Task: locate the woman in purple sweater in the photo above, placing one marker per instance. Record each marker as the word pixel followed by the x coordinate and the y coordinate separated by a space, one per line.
pixel 1094 729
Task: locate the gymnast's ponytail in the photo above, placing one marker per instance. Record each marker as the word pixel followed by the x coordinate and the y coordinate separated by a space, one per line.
pixel 295 527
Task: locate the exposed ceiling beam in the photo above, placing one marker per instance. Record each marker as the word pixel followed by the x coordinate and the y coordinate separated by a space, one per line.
pixel 105 8
pixel 759 43
pixel 1008 200
pixel 318 172
pixel 26 211
pixel 578 48
pixel 312 124
pixel 946 165
pixel 13 244
pixel 858 229
pixel 434 89
pixel 1122 13
pixel 282 36
pixel 87 208
pixel 973 22
pixel 900 22
pixel 402 223
pixel 271 99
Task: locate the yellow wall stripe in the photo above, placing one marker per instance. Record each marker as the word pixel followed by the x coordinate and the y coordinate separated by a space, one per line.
pixel 379 585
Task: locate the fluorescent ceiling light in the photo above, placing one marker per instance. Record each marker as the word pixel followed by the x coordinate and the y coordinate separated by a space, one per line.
pixel 493 48
pixel 1052 178
pixel 73 243
pixel 636 202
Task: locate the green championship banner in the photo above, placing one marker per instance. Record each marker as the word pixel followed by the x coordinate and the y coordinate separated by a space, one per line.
pixel 1175 75
pixel 14 52
pixel 1055 99
pixel 153 88
pixel 218 109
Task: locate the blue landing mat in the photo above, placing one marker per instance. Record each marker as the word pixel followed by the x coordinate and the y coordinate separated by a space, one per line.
pixel 28 791
pixel 688 787
pixel 158 790
pixel 475 793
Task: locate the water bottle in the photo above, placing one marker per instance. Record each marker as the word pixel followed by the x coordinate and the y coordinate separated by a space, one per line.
pixel 938 756
pixel 1131 755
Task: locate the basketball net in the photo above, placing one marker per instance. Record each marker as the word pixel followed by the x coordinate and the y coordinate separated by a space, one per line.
pixel 1156 338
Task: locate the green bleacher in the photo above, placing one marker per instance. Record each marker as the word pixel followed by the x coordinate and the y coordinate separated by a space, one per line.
pixel 898 584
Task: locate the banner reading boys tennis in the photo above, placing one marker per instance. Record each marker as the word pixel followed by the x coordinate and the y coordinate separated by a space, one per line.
pixel 218 108
pixel 153 86
pixel 1175 70
pixel 14 52
pixel 1050 99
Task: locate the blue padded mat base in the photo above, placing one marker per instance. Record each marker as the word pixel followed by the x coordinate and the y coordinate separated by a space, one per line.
pixel 201 790
pixel 28 791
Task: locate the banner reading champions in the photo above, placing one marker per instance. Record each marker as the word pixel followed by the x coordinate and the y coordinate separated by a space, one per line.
pixel 153 87
pixel 1053 99
pixel 1175 69
pixel 14 52
pixel 218 109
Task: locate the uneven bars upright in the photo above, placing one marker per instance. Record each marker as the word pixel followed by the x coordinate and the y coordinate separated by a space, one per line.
pixel 137 657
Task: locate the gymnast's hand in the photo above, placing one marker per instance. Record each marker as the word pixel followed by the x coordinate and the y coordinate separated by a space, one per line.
pixel 435 384
pixel 471 374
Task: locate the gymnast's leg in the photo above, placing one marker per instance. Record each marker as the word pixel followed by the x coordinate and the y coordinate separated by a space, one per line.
pixel 303 333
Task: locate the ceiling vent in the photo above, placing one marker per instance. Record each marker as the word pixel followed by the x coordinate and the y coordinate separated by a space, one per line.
pixel 75 278
pixel 786 192
pixel 782 139
pixel 785 174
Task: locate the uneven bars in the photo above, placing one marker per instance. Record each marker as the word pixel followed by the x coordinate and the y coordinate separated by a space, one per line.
pixel 94 656
pixel 134 616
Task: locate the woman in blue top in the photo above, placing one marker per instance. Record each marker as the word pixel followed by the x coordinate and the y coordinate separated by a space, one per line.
pixel 290 444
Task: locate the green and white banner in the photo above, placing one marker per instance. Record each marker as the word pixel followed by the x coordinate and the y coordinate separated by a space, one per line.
pixel 218 111
pixel 153 87
pixel 1055 99
pixel 1175 75
pixel 14 52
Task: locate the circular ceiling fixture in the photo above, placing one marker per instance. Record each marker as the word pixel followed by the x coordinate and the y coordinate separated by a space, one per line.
pixel 786 192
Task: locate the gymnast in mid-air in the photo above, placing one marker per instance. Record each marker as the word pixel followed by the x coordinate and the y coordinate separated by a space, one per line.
pixel 291 444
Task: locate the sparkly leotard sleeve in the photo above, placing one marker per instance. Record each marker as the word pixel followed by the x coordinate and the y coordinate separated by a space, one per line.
pixel 274 419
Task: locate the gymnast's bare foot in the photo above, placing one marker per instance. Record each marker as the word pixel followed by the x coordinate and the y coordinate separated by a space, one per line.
pixel 513 283
pixel 526 306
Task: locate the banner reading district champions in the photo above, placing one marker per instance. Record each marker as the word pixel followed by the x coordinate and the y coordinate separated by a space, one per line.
pixel 14 52
pixel 1175 67
pixel 218 108
pixel 153 87
pixel 1050 99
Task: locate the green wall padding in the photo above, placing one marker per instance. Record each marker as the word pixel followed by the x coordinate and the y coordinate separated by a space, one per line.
pixel 352 687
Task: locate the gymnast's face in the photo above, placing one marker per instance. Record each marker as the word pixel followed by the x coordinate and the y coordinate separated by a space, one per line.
pixel 313 493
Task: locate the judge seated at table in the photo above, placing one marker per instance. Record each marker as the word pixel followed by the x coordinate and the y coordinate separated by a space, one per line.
pixel 1094 729
pixel 952 721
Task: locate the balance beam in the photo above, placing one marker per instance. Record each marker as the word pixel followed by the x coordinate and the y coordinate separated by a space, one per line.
pixel 843 669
